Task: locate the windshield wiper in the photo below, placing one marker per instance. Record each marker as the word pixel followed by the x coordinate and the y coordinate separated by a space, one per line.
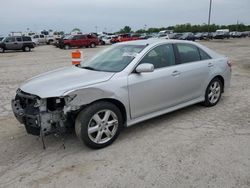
pixel 89 68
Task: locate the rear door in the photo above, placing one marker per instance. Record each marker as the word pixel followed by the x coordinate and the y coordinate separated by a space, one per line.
pixel 42 39
pixel 18 43
pixel 192 71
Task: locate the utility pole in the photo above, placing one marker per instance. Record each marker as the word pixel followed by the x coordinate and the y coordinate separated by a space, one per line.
pixel 209 16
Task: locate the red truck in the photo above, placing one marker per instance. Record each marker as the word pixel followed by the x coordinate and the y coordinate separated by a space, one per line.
pixel 125 37
pixel 79 41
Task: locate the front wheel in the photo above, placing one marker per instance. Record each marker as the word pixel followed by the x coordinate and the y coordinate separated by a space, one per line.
pixel 2 50
pixel 213 92
pixel 99 124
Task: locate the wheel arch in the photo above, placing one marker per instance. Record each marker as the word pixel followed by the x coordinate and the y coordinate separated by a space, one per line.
pixel 117 103
pixel 221 79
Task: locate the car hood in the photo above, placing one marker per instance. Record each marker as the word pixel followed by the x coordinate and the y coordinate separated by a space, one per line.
pixel 56 83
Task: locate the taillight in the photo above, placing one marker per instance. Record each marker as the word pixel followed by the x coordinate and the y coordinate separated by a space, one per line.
pixel 229 63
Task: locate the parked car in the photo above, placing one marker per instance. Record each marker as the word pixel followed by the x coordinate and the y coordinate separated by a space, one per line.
pixel 16 43
pixel 106 40
pixel 125 37
pixel 236 34
pixel 59 42
pixel 125 84
pixel 207 35
pixel 187 36
pixel 146 36
pixel 79 41
pixel 175 35
pixel 163 36
pixel 199 36
pixel 221 34
pixel 39 39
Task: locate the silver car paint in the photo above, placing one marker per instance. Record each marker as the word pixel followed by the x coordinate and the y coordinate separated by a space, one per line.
pixel 143 95
pixel 55 83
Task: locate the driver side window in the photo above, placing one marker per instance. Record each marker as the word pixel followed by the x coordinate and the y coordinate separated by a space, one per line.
pixel 160 56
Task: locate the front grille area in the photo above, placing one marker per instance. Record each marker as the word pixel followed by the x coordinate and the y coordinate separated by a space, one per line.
pixel 27 102
pixel 25 112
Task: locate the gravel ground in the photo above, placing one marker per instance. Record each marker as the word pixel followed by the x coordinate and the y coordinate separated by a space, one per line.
pixel 192 147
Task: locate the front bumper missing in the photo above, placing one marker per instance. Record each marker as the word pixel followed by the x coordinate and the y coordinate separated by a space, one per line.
pixel 31 122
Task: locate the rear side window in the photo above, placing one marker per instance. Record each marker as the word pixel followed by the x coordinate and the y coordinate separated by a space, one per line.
pixel 26 39
pixel 77 37
pixel 188 53
pixel 160 56
pixel 18 39
pixel 204 55
pixel 41 36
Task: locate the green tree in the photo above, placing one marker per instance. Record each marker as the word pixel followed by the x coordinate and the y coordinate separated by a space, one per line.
pixel 76 30
pixel 126 29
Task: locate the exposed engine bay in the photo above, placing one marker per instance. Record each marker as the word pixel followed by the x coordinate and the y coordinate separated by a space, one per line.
pixel 41 117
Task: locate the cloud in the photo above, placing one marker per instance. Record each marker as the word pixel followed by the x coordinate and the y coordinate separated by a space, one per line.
pixel 16 15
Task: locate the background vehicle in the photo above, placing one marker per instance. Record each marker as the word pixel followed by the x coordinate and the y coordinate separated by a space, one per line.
pixel 123 85
pixel 125 37
pixel 79 41
pixel 39 39
pixel 16 43
pixel 221 34
pixel 187 36
pixel 175 35
pixel 199 36
pixel 106 40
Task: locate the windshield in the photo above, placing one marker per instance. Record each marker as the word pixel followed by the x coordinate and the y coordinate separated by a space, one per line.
pixel 113 59
pixel 69 37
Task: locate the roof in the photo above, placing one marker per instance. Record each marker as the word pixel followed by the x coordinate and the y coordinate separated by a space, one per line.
pixel 152 41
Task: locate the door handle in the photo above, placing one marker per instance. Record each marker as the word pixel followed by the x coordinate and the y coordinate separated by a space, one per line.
pixel 15 43
pixel 176 73
pixel 210 65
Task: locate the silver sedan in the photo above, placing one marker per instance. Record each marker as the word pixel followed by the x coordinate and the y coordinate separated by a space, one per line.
pixel 125 84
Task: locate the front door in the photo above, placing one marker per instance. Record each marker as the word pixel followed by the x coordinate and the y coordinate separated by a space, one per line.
pixel 10 43
pixel 151 92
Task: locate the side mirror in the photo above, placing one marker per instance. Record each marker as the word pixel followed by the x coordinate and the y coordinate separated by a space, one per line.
pixel 145 67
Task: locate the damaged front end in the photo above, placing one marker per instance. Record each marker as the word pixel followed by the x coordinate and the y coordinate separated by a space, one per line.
pixel 41 116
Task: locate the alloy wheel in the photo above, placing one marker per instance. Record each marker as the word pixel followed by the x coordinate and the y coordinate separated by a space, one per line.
pixel 102 126
pixel 214 92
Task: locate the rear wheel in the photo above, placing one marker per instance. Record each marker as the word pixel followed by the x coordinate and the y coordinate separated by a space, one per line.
pixel 66 47
pixel 99 124
pixel 213 92
pixel 92 45
pixel 26 49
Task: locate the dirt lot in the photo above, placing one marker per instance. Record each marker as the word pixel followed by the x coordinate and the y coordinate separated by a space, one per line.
pixel 193 147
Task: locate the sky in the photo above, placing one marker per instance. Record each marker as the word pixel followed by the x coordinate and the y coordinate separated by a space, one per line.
pixel 112 15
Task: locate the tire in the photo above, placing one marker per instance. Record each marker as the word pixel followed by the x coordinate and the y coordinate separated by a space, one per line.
pixel 26 49
pixel 50 41
pixel 2 50
pixel 92 45
pixel 213 92
pixel 96 131
pixel 66 47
